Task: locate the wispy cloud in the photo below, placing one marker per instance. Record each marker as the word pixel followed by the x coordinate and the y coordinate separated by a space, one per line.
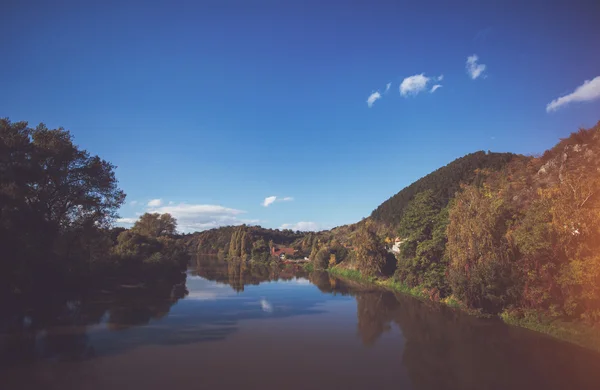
pixel 197 217
pixel 126 221
pixel 413 85
pixel 474 69
pixel 440 77
pixel 269 200
pixel 133 203
pixel 372 98
pixel 588 91
pixel 155 203
pixel 435 87
pixel 302 226
pixel 387 87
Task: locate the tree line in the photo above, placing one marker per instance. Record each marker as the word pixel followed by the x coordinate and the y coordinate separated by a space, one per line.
pixel 522 240
pixel 58 204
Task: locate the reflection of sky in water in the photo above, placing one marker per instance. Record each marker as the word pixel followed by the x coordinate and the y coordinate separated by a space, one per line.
pixel 212 311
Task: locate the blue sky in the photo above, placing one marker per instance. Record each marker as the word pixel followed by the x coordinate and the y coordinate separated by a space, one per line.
pixel 213 106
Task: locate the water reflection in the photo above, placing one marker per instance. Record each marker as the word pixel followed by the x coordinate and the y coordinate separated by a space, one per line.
pixel 58 329
pixel 275 327
pixel 239 274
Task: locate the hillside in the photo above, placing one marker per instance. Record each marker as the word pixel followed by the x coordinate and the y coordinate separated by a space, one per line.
pixel 444 182
pixel 218 241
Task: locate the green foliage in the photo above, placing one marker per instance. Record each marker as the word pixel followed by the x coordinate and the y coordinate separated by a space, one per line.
pixel 260 251
pixel 422 259
pixel 230 240
pixel 308 267
pixel 55 201
pixel 155 225
pixel 370 255
pixel 321 259
pixel 480 271
pixel 443 184
pixel 351 274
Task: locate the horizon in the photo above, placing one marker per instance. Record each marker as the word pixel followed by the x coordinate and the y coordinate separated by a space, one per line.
pixel 231 113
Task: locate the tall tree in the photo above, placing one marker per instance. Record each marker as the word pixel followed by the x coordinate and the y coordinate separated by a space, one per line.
pixel 155 225
pixel 370 255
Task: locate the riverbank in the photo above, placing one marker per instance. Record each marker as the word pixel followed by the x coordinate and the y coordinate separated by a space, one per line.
pixel 576 333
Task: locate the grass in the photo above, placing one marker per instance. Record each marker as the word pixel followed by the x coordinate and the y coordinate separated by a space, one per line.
pixel 574 332
pixel 308 267
pixel 395 285
pixel 350 274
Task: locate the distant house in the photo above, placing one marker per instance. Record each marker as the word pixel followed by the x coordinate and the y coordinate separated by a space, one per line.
pixel 282 252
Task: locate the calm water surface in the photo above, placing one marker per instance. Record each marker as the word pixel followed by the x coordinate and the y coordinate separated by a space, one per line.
pixel 253 327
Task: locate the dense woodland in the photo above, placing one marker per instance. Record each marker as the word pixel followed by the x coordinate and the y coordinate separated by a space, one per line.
pixel 443 184
pixel 498 233
pixel 523 240
pixel 57 208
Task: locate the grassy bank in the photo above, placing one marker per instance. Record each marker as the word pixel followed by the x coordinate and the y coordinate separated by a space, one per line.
pixel 573 332
pixel 576 333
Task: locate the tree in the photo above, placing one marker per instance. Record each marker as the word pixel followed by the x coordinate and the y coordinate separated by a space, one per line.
pixel 321 259
pixel 480 272
pixel 155 225
pixel 260 251
pixel 53 196
pixel 370 255
pixel 422 259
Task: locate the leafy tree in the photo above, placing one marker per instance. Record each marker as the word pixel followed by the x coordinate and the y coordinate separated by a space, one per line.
pixel 155 225
pixel 370 255
pixel 321 259
pixel 422 259
pixel 54 198
pixel 260 251
pixel 443 183
pixel 480 271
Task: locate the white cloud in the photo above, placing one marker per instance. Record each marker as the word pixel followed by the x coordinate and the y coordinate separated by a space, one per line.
pixel 372 98
pixel 588 91
pixel 133 202
pixel 198 217
pixel 474 69
pixel 387 87
pixel 414 84
pixel 440 77
pixel 269 200
pixel 155 203
pixel 435 87
pixel 302 226
pixel 126 221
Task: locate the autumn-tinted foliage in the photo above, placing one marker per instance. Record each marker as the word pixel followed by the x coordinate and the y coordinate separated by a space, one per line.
pixel 529 239
pixel 443 184
pixel 247 242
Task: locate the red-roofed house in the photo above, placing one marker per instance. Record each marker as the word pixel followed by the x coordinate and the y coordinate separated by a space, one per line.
pixel 282 252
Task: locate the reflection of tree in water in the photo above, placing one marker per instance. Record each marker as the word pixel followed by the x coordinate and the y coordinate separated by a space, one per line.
pixel 451 350
pixel 58 329
pixel 239 274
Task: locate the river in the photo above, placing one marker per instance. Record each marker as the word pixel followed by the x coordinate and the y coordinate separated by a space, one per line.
pixel 236 326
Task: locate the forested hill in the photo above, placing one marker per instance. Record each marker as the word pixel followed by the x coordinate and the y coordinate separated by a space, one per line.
pixel 218 240
pixel 444 182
